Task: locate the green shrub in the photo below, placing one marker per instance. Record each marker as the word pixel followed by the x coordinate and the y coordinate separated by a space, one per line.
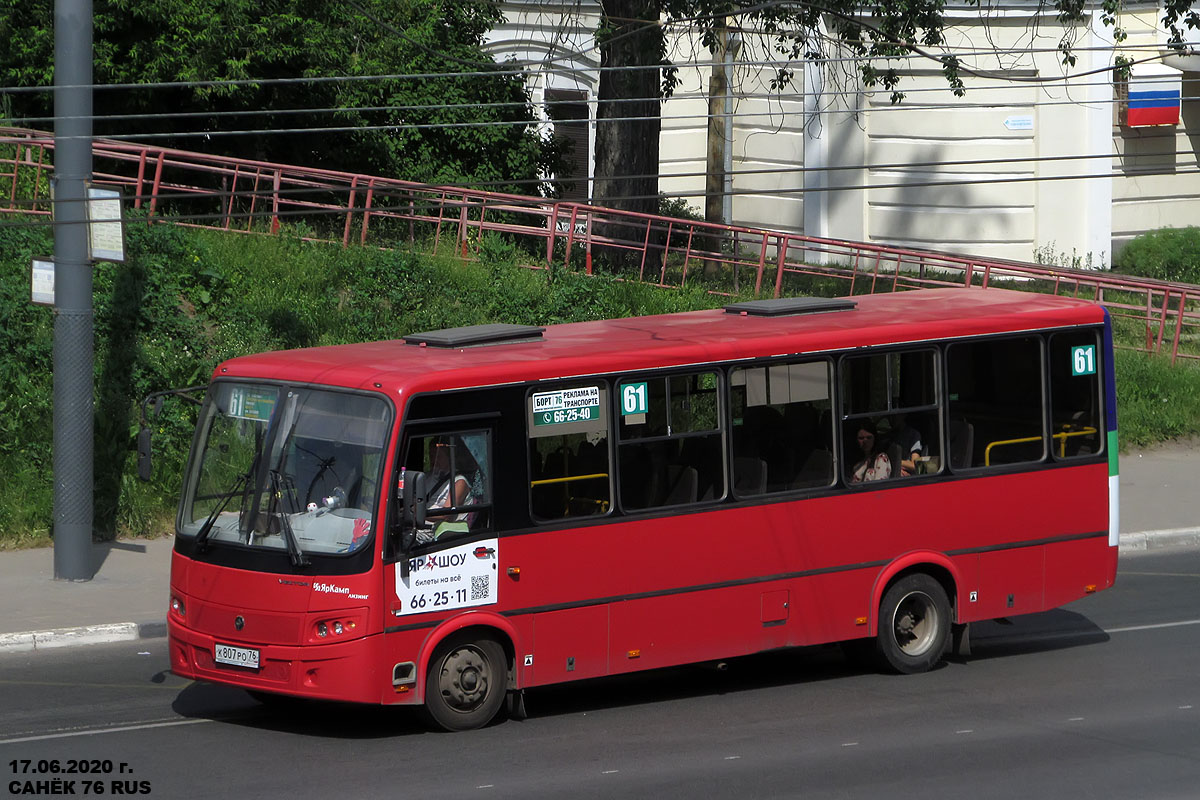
pixel 1169 254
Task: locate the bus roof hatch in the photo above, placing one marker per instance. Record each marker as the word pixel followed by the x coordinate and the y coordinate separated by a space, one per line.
pixel 786 306
pixel 475 334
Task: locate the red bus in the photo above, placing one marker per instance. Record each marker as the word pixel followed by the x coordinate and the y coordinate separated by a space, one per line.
pixel 452 518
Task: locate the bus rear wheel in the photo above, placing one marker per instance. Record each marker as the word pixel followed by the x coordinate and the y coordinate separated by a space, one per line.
pixel 914 624
pixel 466 682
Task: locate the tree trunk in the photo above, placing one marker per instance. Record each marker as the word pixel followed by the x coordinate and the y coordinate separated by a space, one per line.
pixel 626 172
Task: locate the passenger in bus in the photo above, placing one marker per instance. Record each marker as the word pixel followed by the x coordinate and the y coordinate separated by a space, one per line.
pixel 907 441
pixel 440 466
pixel 875 464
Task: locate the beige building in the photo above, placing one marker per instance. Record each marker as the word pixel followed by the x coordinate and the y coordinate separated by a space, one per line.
pixel 1035 161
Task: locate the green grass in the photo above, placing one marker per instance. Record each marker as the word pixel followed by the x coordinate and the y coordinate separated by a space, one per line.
pixel 1156 401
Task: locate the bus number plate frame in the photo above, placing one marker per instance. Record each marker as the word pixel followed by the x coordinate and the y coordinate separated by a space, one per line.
pixel 235 656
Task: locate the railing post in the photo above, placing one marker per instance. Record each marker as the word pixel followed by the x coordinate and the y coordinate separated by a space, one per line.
pixel 1178 327
pixel 785 242
pixel 645 253
pixel 157 182
pixel 141 174
pixel 232 194
pixel 437 235
pixel 1162 320
pixel 762 264
pixel 462 228
pixel 551 228
pixel 362 240
pixel 275 201
pixel 253 199
pixel 662 272
pixel 12 194
pixel 687 255
pixel 571 236
pixel 1149 312
pixel 349 212
pixel 412 219
pixel 37 174
pixel 587 249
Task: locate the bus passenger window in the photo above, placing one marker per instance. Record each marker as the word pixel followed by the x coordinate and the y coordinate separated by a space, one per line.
pixel 995 389
pixel 891 420
pixel 568 452
pixel 670 441
pixel 1075 422
pixel 782 427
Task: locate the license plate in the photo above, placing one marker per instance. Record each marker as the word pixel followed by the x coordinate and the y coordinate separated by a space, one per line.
pixel 235 656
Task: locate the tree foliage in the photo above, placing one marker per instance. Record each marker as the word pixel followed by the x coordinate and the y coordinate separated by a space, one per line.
pixel 438 128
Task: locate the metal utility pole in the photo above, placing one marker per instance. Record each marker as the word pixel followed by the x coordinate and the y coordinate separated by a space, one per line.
pixel 73 317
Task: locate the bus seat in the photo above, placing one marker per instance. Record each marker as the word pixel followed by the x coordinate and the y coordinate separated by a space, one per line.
pixel 749 475
pixel 895 454
pixel 962 443
pixel 817 470
pixel 681 485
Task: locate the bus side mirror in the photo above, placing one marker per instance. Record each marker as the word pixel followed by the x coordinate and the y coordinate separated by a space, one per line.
pixel 413 497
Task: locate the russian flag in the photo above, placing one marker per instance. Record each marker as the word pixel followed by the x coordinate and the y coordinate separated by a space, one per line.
pixel 1153 98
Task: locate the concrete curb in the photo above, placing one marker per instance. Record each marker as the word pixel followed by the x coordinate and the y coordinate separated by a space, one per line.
pixel 132 631
pixel 87 634
pixel 1156 540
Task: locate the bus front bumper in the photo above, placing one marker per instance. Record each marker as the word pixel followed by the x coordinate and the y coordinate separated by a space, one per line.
pixel 342 671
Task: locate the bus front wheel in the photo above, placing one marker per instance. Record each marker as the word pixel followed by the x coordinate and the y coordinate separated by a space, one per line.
pixel 914 624
pixel 466 683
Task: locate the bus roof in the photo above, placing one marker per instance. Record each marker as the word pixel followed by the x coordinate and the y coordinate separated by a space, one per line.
pixel 695 337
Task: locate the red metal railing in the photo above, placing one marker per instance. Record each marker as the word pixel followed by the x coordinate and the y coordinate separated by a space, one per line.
pixel 246 196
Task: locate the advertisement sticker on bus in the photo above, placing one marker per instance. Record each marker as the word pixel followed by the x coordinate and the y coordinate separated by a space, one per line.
pixel 566 405
pixel 459 577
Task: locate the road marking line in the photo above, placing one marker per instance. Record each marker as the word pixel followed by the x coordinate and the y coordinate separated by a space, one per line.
pixel 968 730
pixel 1075 719
pixel 850 744
pixel 1164 574
pixel 1153 627
pixel 735 758
pixel 610 772
pixel 98 731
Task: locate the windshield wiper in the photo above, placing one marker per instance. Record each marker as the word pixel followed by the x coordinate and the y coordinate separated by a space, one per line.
pixel 285 524
pixel 206 528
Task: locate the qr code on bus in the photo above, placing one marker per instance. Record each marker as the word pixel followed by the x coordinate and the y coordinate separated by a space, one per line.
pixel 479 587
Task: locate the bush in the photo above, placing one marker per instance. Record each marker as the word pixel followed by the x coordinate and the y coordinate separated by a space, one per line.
pixel 1169 254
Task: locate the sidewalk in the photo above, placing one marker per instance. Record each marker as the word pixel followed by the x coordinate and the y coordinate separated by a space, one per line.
pixel 127 598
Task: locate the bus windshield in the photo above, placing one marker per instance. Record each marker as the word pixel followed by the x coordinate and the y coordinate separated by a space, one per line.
pixel 291 468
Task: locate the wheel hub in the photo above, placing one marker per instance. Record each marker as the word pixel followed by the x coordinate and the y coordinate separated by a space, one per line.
pixel 464 679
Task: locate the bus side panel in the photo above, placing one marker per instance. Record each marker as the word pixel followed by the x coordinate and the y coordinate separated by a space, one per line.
pixel 1074 569
pixel 837 606
pixel 1010 582
pixel 571 644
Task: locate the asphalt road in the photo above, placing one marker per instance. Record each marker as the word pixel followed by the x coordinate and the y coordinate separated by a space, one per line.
pixel 1097 700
